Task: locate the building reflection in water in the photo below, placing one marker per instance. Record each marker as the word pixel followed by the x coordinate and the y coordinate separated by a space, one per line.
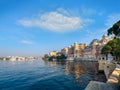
pixel 53 63
pixel 81 68
pixel 77 69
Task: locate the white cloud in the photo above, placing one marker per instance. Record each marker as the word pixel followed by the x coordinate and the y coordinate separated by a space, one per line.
pixel 112 19
pixel 63 11
pixel 26 23
pixel 58 21
pixel 87 20
pixel 26 42
pixel 87 11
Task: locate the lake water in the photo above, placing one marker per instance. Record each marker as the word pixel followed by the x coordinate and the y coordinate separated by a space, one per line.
pixel 41 75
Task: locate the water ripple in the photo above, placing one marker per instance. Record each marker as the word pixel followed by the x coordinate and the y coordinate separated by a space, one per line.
pixel 40 75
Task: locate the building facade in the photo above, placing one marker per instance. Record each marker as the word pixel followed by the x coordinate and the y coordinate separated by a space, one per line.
pixel 80 50
pixel 53 53
pixel 75 50
pixel 94 49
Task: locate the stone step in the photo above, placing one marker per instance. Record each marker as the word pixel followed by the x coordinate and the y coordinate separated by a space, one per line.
pixel 94 85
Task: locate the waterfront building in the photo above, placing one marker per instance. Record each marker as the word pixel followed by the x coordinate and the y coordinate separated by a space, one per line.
pixel 74 51
pixel 53 53
pixel 110 57
pixel 80 50
pixel 4 58
pixel 18 58
pixel 70 51
pixel 65 51
pixel 94 49
pixel 30 58
pixel 14 58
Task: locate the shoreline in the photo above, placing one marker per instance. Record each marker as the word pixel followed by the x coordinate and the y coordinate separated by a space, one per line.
pixel 112 73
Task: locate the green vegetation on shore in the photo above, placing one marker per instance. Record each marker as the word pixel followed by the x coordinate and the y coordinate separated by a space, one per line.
pixel 58 57
pixel 113 46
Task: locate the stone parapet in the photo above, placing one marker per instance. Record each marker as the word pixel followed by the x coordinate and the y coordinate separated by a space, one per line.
pixel 109 68
pixel 94 85
pixel 115 76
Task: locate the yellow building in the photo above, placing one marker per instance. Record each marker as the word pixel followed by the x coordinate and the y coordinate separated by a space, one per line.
pixel 53 53
pixel 65 51
pixel 78 49
pixel 75 50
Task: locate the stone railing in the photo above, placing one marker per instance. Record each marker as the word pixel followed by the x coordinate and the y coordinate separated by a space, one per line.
pixel 115 76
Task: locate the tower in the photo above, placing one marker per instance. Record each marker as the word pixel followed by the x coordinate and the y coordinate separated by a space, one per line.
pixel 104 37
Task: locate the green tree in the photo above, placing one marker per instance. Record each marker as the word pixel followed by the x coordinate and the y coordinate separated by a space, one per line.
pixel 106 49
pixel 46 56
pixel 61 57
pixel 115 29
pixel 51 58
pixel 112 47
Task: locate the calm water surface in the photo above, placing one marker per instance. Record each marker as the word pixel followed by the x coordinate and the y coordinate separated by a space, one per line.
pixel 41 75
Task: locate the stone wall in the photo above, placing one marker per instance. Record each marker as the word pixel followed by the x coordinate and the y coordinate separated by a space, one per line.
pixel 94 85
pixel 115 76
pixel 109 68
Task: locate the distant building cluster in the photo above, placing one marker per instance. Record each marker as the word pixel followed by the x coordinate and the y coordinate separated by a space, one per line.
pixel 18 58
pixel 80 50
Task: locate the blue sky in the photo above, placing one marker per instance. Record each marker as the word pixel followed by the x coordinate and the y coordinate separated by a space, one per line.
pixel 35 27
